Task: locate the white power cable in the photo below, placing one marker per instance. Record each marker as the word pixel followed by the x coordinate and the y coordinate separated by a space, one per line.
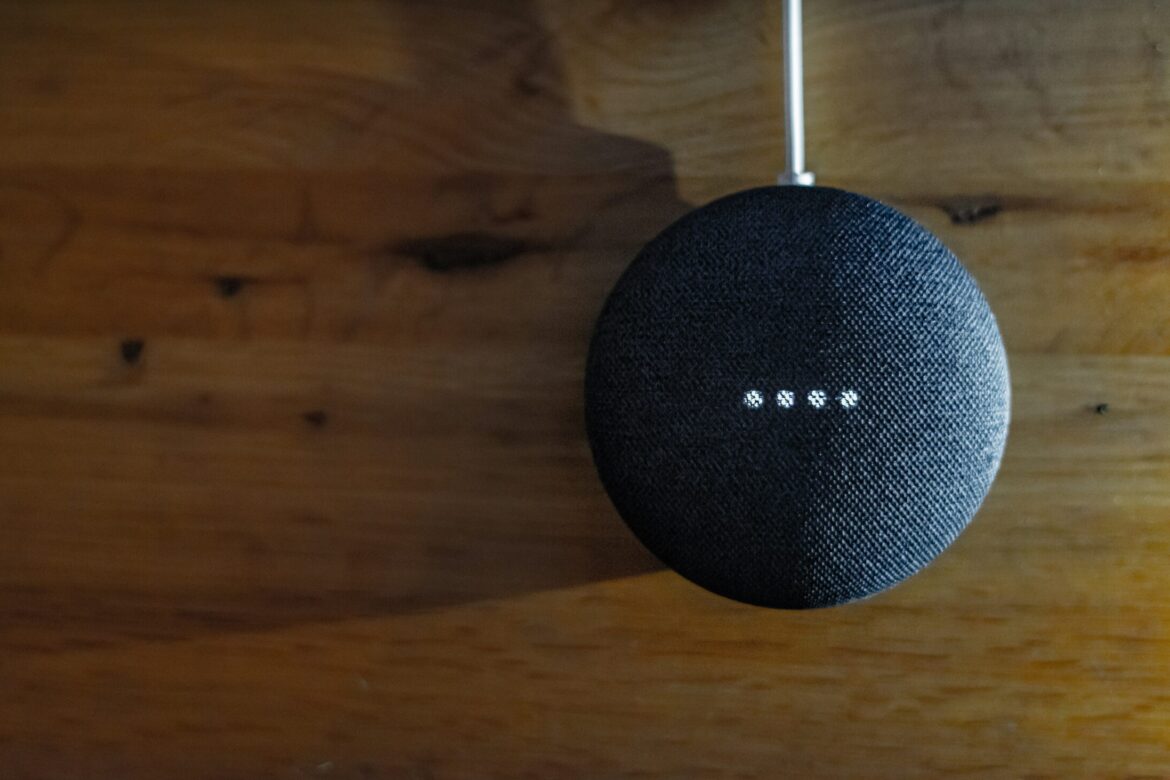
pixel 794 97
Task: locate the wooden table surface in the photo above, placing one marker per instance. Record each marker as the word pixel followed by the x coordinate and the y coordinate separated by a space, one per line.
pixel 294 299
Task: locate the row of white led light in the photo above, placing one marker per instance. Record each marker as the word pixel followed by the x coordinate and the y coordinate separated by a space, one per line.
pixel 786 399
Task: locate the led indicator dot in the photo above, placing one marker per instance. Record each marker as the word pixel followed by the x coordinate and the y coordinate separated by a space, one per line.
pixel 753 399
pixel 849 399
pixel 817 398
pixel 786 399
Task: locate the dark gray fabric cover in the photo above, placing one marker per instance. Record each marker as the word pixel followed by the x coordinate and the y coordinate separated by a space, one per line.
pixel 796 289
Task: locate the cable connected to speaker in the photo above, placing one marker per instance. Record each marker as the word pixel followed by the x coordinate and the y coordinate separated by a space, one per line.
pixel 794 96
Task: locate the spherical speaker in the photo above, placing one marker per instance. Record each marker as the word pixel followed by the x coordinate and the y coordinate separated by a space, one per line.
pixel 796 396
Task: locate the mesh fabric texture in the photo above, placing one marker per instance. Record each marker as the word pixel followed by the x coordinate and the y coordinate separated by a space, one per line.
pixel 796 290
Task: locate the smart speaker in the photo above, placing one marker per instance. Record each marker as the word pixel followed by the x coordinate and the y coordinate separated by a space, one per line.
pixel 796 396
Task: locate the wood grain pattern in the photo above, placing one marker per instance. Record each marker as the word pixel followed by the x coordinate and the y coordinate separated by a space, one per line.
pixel 294 299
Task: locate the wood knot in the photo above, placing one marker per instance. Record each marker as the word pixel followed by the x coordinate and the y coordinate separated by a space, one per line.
pixel 131 350
pixel 316 418
pixel 464 251
pixel 968 211
pixel 229 286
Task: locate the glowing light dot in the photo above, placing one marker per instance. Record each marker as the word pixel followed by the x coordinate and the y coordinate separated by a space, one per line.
pixel 849 398
pixel 786 399
pixel 753 399
pixel 817 398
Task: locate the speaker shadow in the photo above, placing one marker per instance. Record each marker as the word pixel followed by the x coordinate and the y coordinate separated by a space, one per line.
pixel 516 235
pixel 571 226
